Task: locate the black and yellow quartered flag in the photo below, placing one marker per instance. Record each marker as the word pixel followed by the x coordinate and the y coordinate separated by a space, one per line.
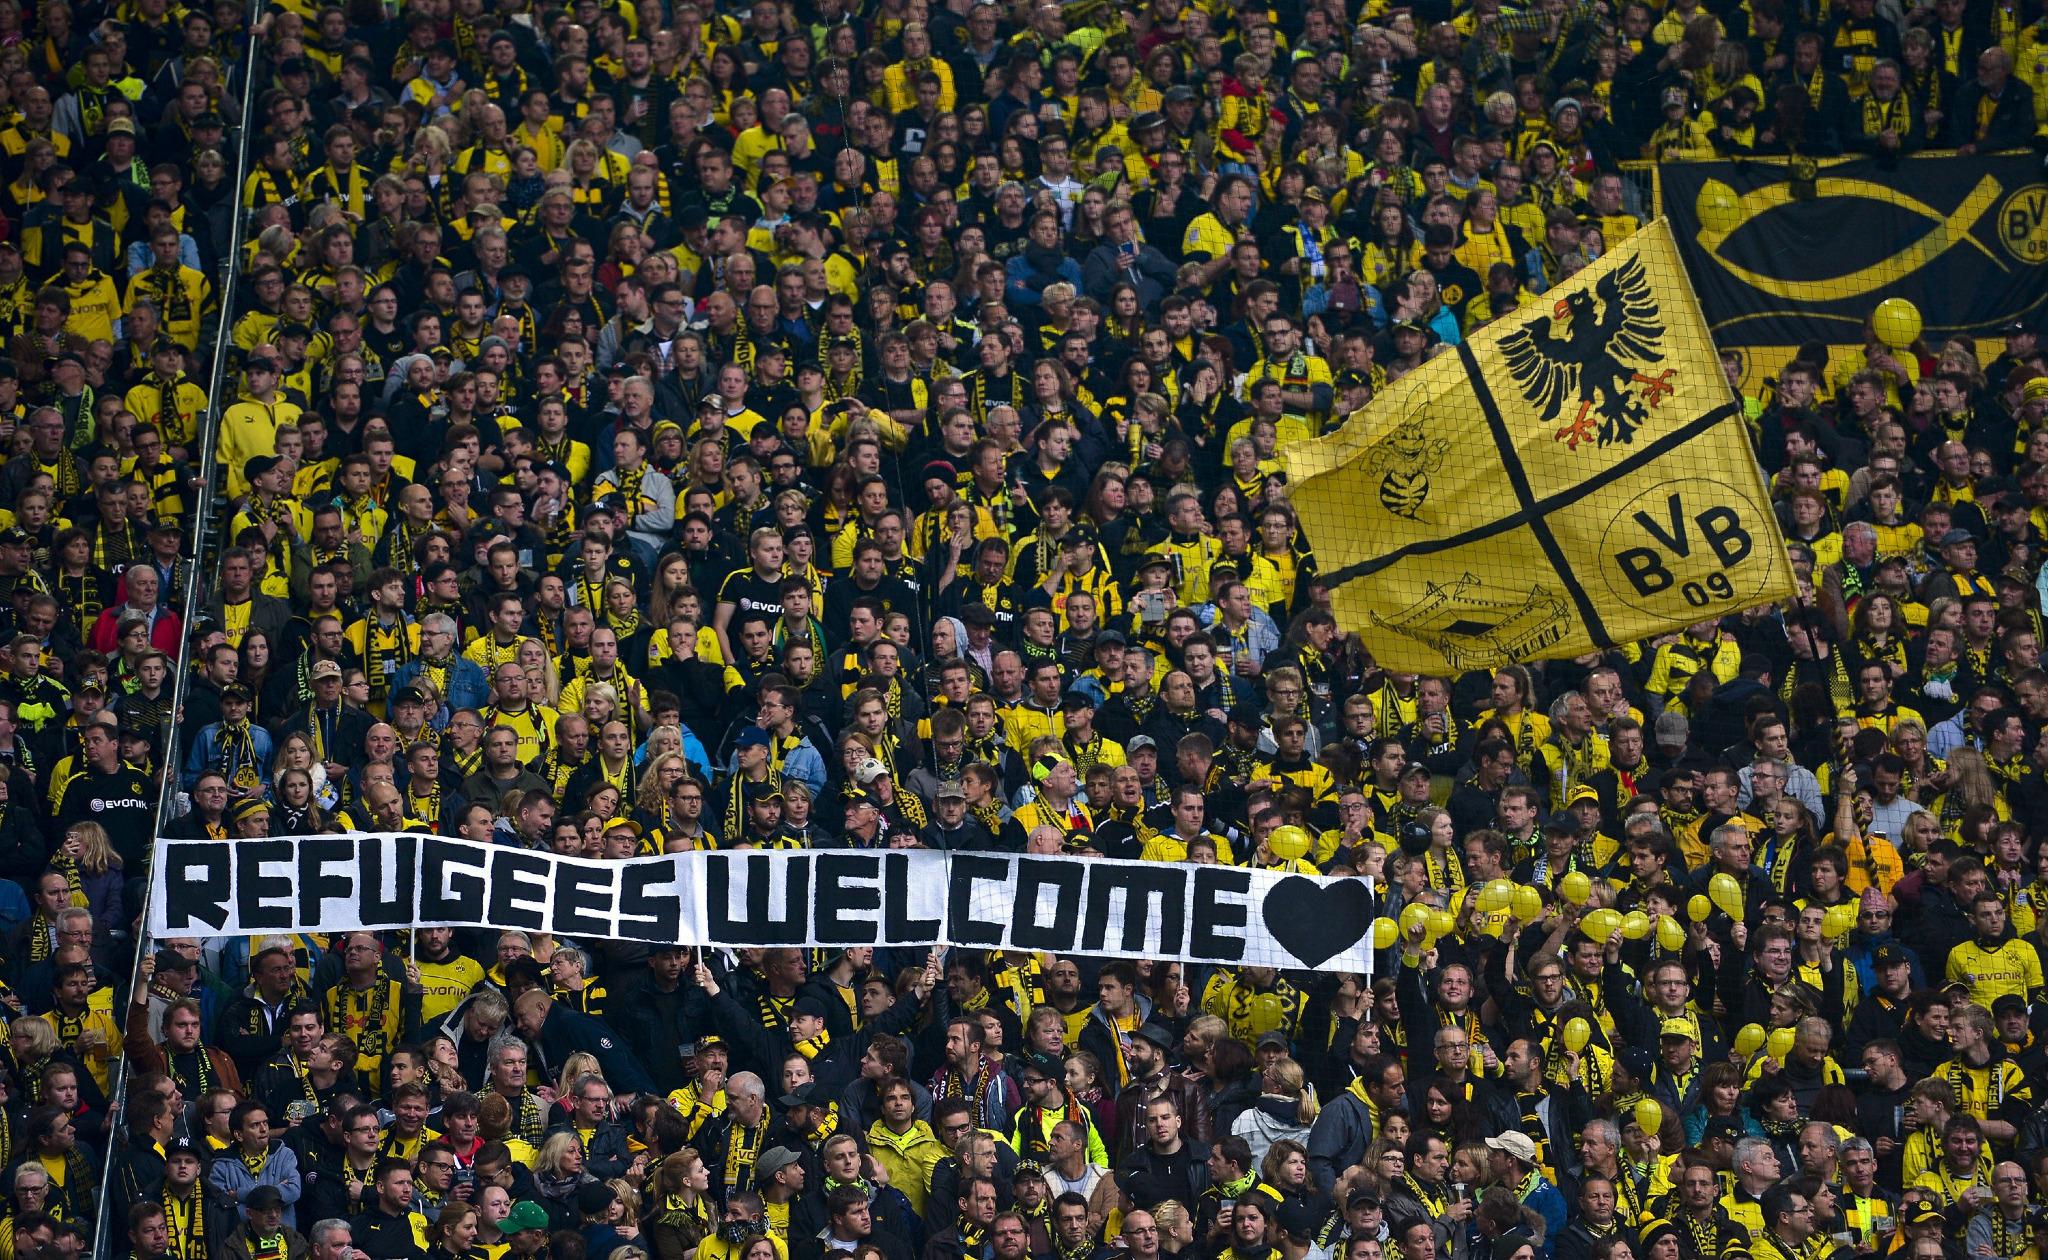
pixel 1576 475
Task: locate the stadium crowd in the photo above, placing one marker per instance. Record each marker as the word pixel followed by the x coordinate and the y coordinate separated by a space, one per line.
pixel 702 425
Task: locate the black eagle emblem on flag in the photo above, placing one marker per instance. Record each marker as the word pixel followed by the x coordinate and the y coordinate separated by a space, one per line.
pixel 1597 359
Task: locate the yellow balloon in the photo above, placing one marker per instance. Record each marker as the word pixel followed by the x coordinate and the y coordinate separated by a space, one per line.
pixel 1600 924
pixel 1727 894
pixel 1527 904
pixel 1779 1043
pixel 1698 908
pixel 1575 888
pixel 1577 1032
pixel 1268 1013
pixel 1635 925
pixel 1747 1039
pixel 1384 933
pixel 1838 921
pixel 1414 914
pixel 1289 843
pixel 1718 208
pixel 1650 1115
pixel 1896 322
pixel 1670 935
pixel 1496 895
pixel 1442 923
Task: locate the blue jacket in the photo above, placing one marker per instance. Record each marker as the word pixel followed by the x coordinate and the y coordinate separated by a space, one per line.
pixel 566 1031
pixel 206 752
pixel 467 687
pixel 1548 1202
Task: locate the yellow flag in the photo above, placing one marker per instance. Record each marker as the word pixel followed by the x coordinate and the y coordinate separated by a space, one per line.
pixel 1576 475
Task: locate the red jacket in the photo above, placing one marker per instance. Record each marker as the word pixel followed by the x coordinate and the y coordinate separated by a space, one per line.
pixel 165 633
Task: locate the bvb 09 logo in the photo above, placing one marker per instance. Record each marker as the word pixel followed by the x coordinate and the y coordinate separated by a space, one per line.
pixel 1681 548
pixel 2023 224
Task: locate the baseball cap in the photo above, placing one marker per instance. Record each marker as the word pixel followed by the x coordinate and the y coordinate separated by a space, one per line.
pixel 1681 1026
pixel 1891 956
pixel 258 465
pixel 1515 1144
pixel 868 771
pixel 325 669
pixel 774 1160
pixel 752 737
pixel 525 1215
pixel 950 790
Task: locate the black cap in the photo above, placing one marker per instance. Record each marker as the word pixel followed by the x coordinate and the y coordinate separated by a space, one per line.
pixel 257 465
pixel 1299 1219
pixel 1891 956
pixel 1247 713
pixel 182 1146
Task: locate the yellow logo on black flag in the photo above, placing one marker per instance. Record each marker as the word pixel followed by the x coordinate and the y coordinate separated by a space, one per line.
pixel 1574 476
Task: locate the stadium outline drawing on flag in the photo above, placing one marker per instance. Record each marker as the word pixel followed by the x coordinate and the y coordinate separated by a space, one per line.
pixel 1573 476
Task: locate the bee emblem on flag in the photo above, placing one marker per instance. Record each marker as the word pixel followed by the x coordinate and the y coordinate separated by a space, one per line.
pixel 1590 369
pixel 1404 459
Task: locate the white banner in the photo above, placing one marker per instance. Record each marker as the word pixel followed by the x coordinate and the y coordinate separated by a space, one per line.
pixel 905 897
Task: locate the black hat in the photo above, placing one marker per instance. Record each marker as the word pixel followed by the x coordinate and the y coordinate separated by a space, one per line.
pixel 1247 713
pixel 594 1197
pixel 211 118
pixel 257 465
pixel 808 1005
pixel 1075 701
pixel 1158 1034
pixel 1043 1064
pixel 182 1146
pixel 236 691
pixel 16 537
pixel 263 1199
pixel 1891 956
pixel 1108 637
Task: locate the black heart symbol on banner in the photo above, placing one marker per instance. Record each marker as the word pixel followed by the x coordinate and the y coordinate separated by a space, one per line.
pixel 1317 922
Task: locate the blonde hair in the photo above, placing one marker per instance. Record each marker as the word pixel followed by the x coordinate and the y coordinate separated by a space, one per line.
pixel 575 1067
pixel 96 854
pixel 1285 1078
pixel 553 1151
